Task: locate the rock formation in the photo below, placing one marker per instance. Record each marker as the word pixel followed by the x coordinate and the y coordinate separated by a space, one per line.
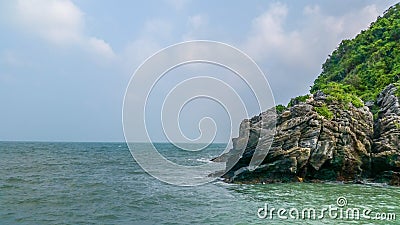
pixel 386 145
pixel 320 139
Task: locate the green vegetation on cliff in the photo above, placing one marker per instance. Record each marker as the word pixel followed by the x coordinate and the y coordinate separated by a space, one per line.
pixel 365 65
pixel 301 98
pixel 324 111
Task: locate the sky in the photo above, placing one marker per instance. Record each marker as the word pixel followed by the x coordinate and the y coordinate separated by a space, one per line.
pixel 65 65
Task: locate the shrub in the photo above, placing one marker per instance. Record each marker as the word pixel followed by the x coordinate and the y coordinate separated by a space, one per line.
pixel 280 108
pixel 342 93
pixel 324 111
pixel 301 98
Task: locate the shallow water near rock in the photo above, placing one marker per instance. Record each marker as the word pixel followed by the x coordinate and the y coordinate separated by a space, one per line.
pixel 100 183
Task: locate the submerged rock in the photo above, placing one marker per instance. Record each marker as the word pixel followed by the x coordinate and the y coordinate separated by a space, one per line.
pixel 319 140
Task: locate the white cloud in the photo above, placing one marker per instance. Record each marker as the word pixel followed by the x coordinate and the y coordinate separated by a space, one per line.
pixel 196 26
pixel 159 33
pixel 56 21
pixel 197 21
pixel 267 35
pixel 59 22
pixel 99 46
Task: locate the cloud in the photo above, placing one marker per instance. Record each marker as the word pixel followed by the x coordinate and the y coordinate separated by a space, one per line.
pixel 158 28
pixel 177 4
pixel 158 33
pixel 99 46
pixel 56 21
pixel 154 34
pixel 296 52
pixel 197 21
pixel 341 27
pixel 196 26
pixel 60 22
pixel 139 50
pixel 268 37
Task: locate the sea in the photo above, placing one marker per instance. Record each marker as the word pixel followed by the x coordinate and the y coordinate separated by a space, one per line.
pixel 101 183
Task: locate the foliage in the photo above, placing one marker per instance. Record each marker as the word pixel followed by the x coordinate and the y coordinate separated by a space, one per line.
pixel 397 93
pixel 365 65
pixel 301 98
pixel 342 93
pixel 397 124
pixel 280 108
pixel 375 111
pixel 324 111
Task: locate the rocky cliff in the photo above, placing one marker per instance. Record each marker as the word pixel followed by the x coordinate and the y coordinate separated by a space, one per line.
pixel 385 154
pixel 321 140
pixel 347 129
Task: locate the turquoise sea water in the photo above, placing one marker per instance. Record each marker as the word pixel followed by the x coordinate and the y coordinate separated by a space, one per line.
pixel 100 183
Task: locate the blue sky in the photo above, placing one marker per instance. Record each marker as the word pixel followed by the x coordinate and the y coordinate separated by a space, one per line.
pixel 64 65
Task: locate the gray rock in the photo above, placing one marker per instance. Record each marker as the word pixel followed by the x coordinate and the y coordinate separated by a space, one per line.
pixel 319 95
pixel 386 145
pixel 304 143
pixel 369 104
pixel 307 146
